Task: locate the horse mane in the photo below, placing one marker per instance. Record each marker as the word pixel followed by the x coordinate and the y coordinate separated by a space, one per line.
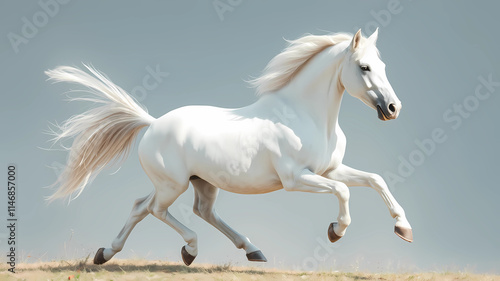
pixel 284 66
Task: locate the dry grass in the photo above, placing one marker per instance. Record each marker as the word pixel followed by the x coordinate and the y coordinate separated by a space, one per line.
pixel 160 270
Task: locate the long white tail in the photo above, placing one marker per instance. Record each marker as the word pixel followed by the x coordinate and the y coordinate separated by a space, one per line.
pixel 101 135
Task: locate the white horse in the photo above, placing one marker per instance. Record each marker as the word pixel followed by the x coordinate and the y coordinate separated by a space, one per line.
pixel 288 139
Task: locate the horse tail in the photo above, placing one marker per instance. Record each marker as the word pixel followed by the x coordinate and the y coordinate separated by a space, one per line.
pixel 101 135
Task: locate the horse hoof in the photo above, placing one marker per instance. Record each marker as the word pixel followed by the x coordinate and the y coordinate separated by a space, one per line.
pixel 186 257
pixel 256 256
pixel 99 257
pixel 331 234
pixel 405 233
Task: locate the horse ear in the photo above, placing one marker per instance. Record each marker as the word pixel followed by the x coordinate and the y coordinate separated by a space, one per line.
pixel 373 38
pixel 356 40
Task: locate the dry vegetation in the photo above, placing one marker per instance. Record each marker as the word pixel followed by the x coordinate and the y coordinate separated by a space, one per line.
pixel 159 270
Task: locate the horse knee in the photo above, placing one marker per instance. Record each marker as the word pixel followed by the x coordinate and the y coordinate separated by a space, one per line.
pixel 377 181
pixel 342 192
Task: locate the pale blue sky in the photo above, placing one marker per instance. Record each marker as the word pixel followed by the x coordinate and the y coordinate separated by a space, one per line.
pixel 435 51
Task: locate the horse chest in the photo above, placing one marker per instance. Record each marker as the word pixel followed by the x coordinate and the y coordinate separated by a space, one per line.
pixel 337 154
pixel 324 154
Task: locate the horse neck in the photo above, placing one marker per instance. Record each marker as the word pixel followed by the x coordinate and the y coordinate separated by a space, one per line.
pixel 317 88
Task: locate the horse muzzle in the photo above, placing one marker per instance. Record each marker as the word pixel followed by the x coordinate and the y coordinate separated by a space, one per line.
pixel 389 112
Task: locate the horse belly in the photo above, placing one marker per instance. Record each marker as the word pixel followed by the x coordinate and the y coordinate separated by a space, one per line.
pixel 248 184
pixel 259 178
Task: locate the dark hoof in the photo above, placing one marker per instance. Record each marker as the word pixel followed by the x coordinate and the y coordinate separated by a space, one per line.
pixel 405 233
pixel 99 257
pixel 331 234
pixel 256 256
pixel 186 257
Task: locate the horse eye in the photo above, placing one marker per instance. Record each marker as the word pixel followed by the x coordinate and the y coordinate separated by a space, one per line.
pixel 365 67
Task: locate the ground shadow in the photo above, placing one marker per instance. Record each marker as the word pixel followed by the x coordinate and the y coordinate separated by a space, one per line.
pixel 163 267
pixel 150 267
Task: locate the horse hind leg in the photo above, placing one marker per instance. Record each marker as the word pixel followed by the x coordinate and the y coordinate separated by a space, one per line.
pixel 164 196
pixel 138 213
pixel 170 179
pixel 157 204
pixel 205 196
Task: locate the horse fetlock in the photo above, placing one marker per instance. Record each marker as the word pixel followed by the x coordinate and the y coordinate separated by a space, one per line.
pixel 191 239
pixel 116 247
pixel 339 229
pixel 240 244
pixel 402 222
pixel 398 213
pixel 109 253
pixel 192 249
pixel 344 221
pixel 244 243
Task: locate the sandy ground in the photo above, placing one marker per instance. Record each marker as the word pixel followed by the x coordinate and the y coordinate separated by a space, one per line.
pixel 160 270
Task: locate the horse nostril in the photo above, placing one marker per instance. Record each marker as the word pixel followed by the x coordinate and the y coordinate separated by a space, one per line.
pixel 392 108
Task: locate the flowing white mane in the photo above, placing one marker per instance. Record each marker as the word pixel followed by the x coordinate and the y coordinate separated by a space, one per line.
pixel 283 67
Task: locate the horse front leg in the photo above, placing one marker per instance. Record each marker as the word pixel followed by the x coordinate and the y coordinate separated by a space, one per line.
pixel 353 177
pixel 307 181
